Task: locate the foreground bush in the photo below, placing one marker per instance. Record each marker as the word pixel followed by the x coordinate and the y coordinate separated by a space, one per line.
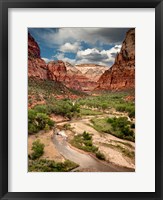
pixel 100 155
pixel 44 165
pixel 38 149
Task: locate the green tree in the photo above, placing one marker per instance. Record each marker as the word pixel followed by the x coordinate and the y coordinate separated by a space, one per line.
pixel 38 149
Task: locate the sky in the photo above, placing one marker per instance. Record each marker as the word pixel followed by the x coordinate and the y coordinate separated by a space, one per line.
pixel 79 45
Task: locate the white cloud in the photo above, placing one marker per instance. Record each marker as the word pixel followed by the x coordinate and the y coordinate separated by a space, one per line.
pixel 60 56
pixel 104 57
pixel 68 47
pixel 94 55
pixel 47 60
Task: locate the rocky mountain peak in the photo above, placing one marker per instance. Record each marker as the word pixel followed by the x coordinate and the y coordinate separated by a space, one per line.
pixel 121 75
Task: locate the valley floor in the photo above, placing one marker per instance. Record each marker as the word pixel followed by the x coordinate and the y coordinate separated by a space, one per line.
pixel 117 151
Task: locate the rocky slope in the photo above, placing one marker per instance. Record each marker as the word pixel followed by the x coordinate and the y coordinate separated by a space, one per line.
pixel 122 74
pixel 36 66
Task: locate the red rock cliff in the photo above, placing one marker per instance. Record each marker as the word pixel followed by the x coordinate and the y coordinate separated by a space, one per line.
pixel 122 74
pixel 36 66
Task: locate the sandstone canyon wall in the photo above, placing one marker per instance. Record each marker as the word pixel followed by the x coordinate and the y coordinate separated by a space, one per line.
pixel 86 77
pixel 36 66
pixel 121 75
pixel 60 71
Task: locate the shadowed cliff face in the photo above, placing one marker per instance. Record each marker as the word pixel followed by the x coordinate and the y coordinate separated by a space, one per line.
pixel 121 75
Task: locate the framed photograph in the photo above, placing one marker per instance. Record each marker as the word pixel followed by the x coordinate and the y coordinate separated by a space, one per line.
pixel 81 99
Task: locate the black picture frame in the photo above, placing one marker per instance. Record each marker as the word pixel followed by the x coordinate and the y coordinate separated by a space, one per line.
pixel 4 5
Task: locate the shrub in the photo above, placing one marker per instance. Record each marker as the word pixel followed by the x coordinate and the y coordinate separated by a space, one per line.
pixel 32 123
pixel 43 120
pixel 32 128
pixel 86 136
pixel 122 128
pixel 38 121
pixel 43 165
pixel 126 131
pixel 67 126
pixel 119 127
pixel 41 109
pixel 38 149
pixel 88 143
pixel 85 111
pixel 46 127
pixel 104 106
pixel 132 114
pixel 132 125
pixel 100 155
pixel 64 107
pixel 84 142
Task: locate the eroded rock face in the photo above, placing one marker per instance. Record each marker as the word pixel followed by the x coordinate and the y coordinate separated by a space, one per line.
pixel 36 66
pixel 57 71
pixel 122 74
pixel 78 80
pixel 91 71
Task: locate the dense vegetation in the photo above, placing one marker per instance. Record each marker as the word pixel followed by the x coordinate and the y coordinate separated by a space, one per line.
pixel 84 142
pixel 119 127
pixel 63 107
pixel 122 128
pixel 38 117
pixel 40 90
pixel 108 101
pixel 44 165
pixel 38 150
pixel 100 155
pixel 86 111
pixel 38 121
